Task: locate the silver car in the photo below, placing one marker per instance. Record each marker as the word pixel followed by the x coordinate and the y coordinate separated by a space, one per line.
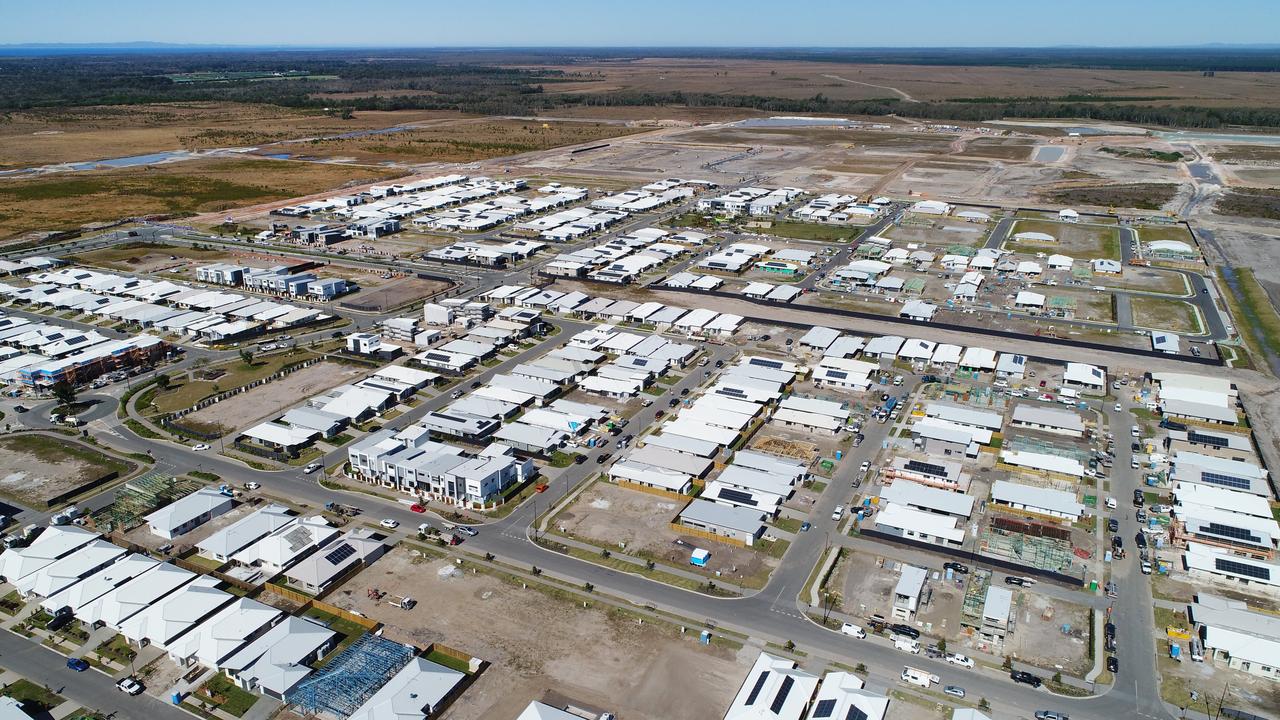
pixel 954 691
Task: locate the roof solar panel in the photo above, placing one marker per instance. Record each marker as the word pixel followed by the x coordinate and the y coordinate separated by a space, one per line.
pixel 823 709
pixel 1230 481
pixel 755 691
pixel 926 467
pixel 1228 531
pixel 855 713
pixel 765 362
pixel 337 555
pixel 1240 568
pixel 781 698
pixel 737 496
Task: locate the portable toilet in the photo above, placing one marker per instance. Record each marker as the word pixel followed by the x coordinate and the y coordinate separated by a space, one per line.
pixel 839 454
pixel 705 637
pixel 699 557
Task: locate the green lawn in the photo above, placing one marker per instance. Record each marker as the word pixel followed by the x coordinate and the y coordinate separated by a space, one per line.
pixel 449 661
pixel 787 524
pixel 32 696
pixel 1255 318
pixel 814 231
pixel 228 697
pixel 117 650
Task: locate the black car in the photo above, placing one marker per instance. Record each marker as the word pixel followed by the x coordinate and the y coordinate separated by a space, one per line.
pixel 1111 644
pixel 475 385
pixel 684 392
pixel 905 631
pixel 1109 630
pixel 1135 447
pixel 1113 525
pixel 672 402
pixel 1140 539
pixel 603 458
pixel 1011 580
pixel 1026 678
pixel 1117 542
pixel 956 567
pixel 19 408
pixel 1138 499
pixel 1113 664
pixel 719 363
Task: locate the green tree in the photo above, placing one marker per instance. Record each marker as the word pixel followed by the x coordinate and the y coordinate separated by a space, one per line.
pixel 162 382
pixel 66 393
pixel 246 357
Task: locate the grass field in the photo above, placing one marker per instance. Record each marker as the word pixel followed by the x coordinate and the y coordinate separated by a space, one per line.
pixel 1152 233
pixel 65 201
pixel 1256 318
pixel 184 393
pixel 1078 240
pixel 124 257
pixel 1249 202
pixel 1172 315
pixel 814 231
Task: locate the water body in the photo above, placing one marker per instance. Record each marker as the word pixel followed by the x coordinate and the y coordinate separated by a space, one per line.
pixel 1050 153
pixel 1214 137
pixel 796 122
pixel 279 156
pixel 133 160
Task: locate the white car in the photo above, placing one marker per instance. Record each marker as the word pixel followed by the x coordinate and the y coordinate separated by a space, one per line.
pixel 390 524
pixel 311 468
pixel 837 513
pixel 1119 408
pixel 199 447
pixel 962 660
pixel 866 465
pixel 853 630
pixel 251 486
pixel 129 686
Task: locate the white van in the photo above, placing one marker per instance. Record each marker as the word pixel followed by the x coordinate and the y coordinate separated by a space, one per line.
pixel 853 631
pixel 906 644
pixel 918 677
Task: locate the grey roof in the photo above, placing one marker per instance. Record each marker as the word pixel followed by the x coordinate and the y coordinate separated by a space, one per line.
pixel 928 498
pixel 670 459
pixel 683 444
pixel 726 516
pixel 1050 416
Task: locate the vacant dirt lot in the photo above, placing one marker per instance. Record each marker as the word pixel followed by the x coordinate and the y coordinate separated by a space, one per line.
pixel 150 257
pixel 587 655
pixel 35 467
pixel 386 293
pixel 1083 241
pixel 1038 637
pixel 638 522
pixel 248 408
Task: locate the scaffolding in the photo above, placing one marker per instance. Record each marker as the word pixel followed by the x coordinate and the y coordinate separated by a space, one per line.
pixel 1045 553
pixel 138 497
pixel 347 682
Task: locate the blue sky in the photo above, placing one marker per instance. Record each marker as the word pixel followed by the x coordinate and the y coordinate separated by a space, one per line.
pixel 852 23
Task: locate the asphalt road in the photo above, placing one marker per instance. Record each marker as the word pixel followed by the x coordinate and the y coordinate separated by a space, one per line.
pixel 92 689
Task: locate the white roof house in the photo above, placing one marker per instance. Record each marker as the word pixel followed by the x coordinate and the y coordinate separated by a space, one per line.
pixel 843 697
pixel 919 524
pixel 819 337
pixel 51 545
pixel 1085 375
pixel 1041 500
pixel 1026 298
pixel 124 601
pixel 979 359
pixel 224 633
pixel 100 583
pixel 289 543
pixel 416 692
pixel 164 620
pixel 187 513
pixel 275 662
pixel 540 711
pixel 774 689
pixel 69 569
pixel 1235 635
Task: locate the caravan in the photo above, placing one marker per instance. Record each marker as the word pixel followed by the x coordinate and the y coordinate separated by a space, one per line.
pixel 919 677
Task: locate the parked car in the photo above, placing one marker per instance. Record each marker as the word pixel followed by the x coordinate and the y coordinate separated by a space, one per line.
pixel 129 686
pixel 673 402
pixel 956 567
pixel 907 630
pixel 1113 664
pixel 602 458
pixel 390 523
pixel 1050 715
pixel 864 467
pixel 658 415
pixel 963 661
pixel 837 513
pixel 853 630
pixel 954 691
pixel 1011 580
pixel 805 526
pixel 19 408
pixel 78 664
pixel 198 447
pixel 467 530
pixel 1113 525
pixel 684 392
pixel 417 508
pixel 1026 678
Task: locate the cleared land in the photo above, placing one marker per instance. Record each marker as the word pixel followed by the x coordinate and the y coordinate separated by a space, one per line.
pixel 247 408
pixel 148 257
pixel 37 467
pixel 1172 315
pixel 1147 196
pixel 187 389
pixel 999 148
pixel 589 655
pixel 45 136
pixel 1249 202
pixel 1079 240
pixel 848 81
pixel 463 140
pixel 65 201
